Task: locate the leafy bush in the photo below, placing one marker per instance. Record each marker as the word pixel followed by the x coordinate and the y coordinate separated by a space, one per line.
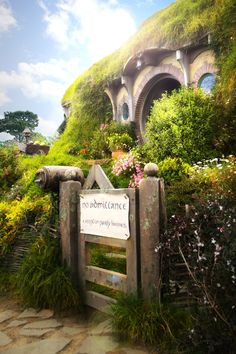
pixel 17 215
pixel 148 323
pixel 180 125
pixel 9 167
pixel 120 142
pixel 42 281
pixel 99 144
pixel 205 241
pixel 111 137
pixel 6 281
pixel 173 169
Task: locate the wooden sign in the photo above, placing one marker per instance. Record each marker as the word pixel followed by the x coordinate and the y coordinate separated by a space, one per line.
pixel 105 214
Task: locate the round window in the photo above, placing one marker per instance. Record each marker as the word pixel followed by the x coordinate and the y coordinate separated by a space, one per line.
pixel 207 82
pixel 125 111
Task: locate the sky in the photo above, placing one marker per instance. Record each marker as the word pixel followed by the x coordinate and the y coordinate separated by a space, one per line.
pixel 46 44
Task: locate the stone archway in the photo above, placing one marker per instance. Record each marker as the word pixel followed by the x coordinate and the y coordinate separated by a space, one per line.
pixel 159 80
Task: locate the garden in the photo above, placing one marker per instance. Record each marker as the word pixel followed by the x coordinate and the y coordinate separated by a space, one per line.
pixel 191 136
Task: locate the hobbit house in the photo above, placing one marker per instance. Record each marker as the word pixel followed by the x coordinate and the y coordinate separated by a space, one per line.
pixel 148 74
pixel 148 65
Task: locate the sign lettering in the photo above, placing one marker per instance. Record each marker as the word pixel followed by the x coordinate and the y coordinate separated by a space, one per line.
pixel 105 215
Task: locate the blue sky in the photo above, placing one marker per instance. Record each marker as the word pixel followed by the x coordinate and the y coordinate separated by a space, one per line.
pixel 46 44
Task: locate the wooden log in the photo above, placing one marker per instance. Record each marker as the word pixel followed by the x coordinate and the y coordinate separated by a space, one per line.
pixel 49 177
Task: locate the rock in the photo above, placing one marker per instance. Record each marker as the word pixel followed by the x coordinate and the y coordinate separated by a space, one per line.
pixel 28 313
pixel 34 332
pixel 97 345
pixel 102 328
pixel 16 323
pixel 4 339
pixel 45 313
pixel 31 313
pixel 6 315
pixel 72 331
pixel 52 323
pixel 48 346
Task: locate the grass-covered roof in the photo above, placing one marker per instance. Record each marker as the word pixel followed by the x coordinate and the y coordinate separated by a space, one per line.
pixel 181 22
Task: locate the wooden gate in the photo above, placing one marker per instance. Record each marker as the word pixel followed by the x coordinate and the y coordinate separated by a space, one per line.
pixel 143 219
pixel 128 282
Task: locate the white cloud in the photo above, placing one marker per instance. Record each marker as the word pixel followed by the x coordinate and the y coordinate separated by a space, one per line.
pixel 48 126
pixel 4 98
pixel 44 80
pixel 7 18
pixel 5 136
pixel 102 26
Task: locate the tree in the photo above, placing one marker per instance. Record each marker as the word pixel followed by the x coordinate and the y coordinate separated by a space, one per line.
pixel 15 122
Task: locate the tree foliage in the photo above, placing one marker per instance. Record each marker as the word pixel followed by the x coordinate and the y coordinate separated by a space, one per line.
pixel 15 122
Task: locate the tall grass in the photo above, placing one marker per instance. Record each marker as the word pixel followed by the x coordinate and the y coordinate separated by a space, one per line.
pixel 42 281
pixel 138 320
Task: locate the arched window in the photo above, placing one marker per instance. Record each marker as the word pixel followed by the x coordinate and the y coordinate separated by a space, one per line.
pixel 207 82
pixel 125 111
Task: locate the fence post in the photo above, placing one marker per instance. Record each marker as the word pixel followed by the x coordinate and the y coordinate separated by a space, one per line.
pixel 69 196
pixel 149 204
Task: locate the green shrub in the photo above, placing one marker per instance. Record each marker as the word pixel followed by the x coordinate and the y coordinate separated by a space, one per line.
pixel 206 245
pixel 120 128
pixel 6 281
pixel 99 144
pixel 111 137
pixel 120 142
pixel 140 321
pixel 9 167
pixel 17 215
pixel 173 169
pixel 180 125
pixel 42 281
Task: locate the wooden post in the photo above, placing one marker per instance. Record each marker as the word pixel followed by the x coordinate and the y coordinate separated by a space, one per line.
pixel 69 196
pixel 149 204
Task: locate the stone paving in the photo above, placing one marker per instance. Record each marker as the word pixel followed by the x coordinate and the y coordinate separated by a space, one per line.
pixel 41 332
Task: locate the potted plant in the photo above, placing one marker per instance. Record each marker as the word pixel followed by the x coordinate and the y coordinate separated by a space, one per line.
pixel 119 143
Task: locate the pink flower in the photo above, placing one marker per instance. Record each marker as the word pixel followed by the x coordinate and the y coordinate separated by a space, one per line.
pixel 103 126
